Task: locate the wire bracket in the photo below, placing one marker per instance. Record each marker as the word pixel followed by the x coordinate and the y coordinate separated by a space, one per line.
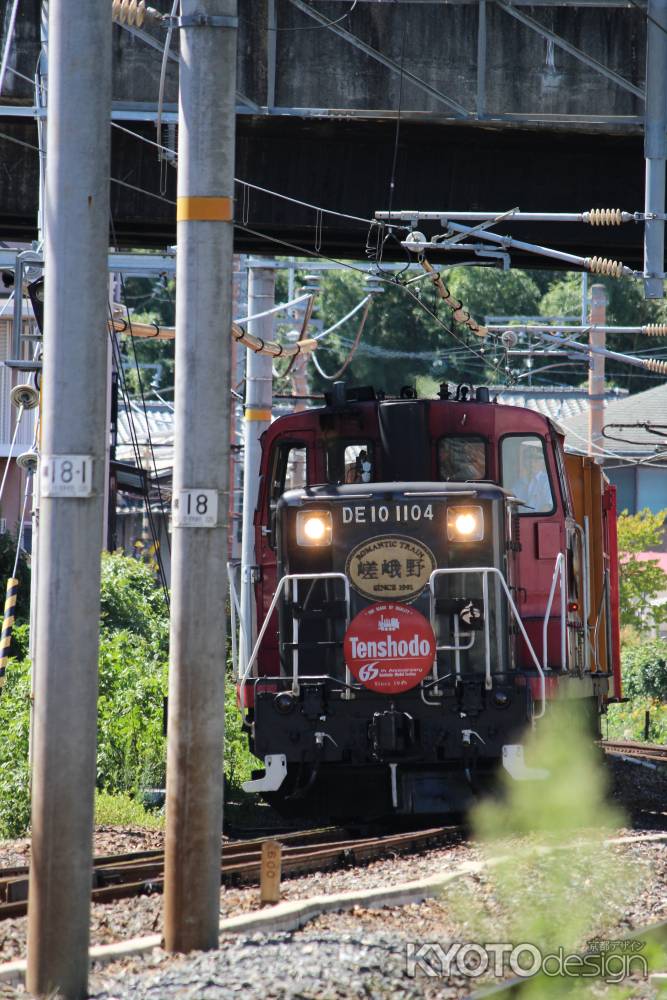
pixel 202 21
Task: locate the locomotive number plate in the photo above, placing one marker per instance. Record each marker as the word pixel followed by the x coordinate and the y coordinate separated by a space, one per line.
pixel 390 566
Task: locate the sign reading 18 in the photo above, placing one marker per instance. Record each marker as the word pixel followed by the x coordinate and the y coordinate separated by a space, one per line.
pixel 196 503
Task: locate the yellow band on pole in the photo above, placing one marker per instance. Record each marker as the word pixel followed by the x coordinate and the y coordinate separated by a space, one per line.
pixel 204 209
pixel 8 625
pixel 257 414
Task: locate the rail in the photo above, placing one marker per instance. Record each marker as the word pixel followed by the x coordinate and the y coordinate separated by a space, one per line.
pixel 485 571
pixel 294 578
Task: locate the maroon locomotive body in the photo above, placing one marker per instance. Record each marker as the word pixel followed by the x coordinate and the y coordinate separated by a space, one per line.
pixel 430 573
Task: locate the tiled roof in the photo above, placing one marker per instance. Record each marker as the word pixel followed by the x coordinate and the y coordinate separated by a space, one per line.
pixel 648 407
pixel 560 403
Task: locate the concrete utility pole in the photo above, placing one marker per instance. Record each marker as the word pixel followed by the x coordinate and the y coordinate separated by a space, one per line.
pixel 596 338
pixel 655 146
pixel 72 484
pixel 201 471
pixel 258 404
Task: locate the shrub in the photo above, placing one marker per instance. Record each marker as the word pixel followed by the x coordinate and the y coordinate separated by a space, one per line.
pixel 644 669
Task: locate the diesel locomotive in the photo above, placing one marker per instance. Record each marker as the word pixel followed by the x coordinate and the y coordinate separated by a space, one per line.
pixel 430 574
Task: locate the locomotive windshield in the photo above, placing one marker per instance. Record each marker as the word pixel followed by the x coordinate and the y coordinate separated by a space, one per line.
pixel 462 458
pixel 524 472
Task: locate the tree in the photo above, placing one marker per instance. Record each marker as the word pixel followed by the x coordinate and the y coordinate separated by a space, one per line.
pixel 403 341
pixel 642 581
pixel 626 307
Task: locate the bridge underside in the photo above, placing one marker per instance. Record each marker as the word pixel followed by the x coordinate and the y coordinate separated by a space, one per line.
pixel 347 163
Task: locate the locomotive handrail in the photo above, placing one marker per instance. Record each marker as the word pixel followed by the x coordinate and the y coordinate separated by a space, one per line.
pixel 485 570
pixel 559 572
pixel 235 614
pixel 288 578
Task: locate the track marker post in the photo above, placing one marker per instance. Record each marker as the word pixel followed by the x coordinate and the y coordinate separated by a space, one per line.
pixel 195 729
pixel 270 872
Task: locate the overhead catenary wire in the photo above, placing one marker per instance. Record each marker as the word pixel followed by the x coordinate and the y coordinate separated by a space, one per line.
pixel 355 345
pixel 145 409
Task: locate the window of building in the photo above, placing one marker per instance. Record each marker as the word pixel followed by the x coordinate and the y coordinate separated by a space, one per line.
pixel 524 473
pixel 461 458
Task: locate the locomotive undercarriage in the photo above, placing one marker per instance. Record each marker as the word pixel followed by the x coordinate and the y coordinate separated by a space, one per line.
pixel 421 752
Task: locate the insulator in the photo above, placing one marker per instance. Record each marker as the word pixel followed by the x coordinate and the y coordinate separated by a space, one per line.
pixel 601 265
pixel 653 365
pixel 131 12
pixel 655 329
pixel 604 217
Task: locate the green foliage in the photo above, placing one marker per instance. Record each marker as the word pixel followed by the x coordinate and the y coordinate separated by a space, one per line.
pixel 626 307
pixel 123 810
pixel 551 879
pixel 150 300
pixel 131 750
pixel 641 580
pixel 239 762
pixel 398 322
pixel 8 544
pixel 132 683
pixel 626 721
pixel 131 601
pixel 14 768
pixel 644 670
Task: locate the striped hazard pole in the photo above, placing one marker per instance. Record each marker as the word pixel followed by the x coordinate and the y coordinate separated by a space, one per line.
pixel 8 625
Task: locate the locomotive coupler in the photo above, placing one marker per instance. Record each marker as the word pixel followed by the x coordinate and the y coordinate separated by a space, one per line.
pixel 391 732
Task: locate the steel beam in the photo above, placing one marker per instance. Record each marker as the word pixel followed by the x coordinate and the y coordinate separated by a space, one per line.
pixel 572 50
pixel 391 64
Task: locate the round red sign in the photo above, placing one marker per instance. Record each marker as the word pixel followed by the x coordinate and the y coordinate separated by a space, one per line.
pixel 389 647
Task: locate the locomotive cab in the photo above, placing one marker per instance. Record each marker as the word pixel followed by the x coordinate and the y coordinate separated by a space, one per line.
pixel 418 563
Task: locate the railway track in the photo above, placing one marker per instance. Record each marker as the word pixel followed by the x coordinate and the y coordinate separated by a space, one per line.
pixel 142 873
pixel 655 752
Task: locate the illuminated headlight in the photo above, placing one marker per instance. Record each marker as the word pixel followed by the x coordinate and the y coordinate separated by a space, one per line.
pixel 465 524
pixel 313 527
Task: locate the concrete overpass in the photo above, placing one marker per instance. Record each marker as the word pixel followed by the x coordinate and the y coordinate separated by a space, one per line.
pixel 539 106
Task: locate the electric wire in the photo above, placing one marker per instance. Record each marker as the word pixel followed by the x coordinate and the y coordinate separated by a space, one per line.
pixel 310 27
pixel 305 252
pixel 134 443
pixel 19 541
pixel 355 345
pixel 145 409
pixel 160 100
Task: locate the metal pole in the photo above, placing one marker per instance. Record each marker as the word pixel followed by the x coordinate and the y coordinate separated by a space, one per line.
pixel 596 339
pixel 258 402
pixel 655 123
pixel 72 482
pixel 201 470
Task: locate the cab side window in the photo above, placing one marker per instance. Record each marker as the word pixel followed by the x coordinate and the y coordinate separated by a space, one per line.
pixel 462 457
pixel 351 462
pixel 525 474
pixel 289 469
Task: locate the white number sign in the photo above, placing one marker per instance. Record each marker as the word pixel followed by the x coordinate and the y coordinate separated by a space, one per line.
pixel 66 476
pixel 195 509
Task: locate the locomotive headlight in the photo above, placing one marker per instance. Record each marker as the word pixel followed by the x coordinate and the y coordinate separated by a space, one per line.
pixel 313 527
pixel 465 524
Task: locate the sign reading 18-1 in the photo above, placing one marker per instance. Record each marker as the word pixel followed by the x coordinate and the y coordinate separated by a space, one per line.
pixel 66 476
pixel 195 508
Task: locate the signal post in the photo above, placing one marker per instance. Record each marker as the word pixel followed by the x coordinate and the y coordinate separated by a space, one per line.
pixel 201 473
